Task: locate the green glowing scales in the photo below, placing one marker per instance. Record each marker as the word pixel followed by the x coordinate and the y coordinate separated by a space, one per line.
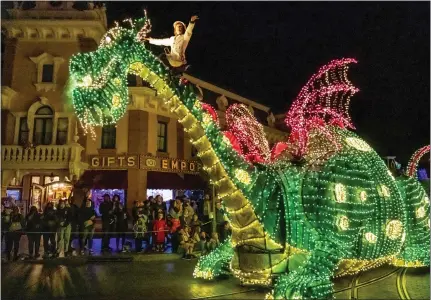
pixel 296 224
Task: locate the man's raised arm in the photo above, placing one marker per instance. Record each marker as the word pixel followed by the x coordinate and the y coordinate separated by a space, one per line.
pixel 189 30
pixel 161 42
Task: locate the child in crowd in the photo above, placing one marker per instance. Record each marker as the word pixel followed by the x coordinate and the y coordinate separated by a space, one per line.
pixel 159 228
pixel 140 229
pixel 190 209
pixel 186 244
pixel 195 223
pixel 213 242
pixel 184 218
pixel 87 215
pixel 204 239
pixel 33 228
pixel 196 235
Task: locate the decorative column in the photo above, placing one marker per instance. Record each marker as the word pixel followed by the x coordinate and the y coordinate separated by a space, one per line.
pixel 76 166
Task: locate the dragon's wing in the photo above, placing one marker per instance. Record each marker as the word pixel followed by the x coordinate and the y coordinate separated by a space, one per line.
pixel 249 133
pixel 323 100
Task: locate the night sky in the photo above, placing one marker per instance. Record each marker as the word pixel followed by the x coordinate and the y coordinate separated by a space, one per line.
pixel 266 51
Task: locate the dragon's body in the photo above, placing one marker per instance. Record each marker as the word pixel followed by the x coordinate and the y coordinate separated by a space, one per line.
pixel 324 205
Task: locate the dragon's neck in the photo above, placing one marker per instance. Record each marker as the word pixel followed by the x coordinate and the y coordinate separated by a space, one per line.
pixel 231 174
pixel 219 160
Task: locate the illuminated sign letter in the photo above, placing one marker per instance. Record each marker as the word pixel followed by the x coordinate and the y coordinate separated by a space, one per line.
pixel 121 160
pixel 111 161
pixel 164 163
pixel 131 161
pixel 95 162
pixel 183 165
pixel 174 164
pixel 192 166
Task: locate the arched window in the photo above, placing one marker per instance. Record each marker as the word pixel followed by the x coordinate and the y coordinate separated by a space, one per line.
pixel 43 126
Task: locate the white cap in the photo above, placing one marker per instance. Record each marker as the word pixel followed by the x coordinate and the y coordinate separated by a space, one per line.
pixel 176 22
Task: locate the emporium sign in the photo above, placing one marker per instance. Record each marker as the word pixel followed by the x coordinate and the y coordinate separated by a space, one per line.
pixel 144 162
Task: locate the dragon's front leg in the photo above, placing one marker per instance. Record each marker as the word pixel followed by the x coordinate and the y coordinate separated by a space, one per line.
pixel 313 279
pixel 215 263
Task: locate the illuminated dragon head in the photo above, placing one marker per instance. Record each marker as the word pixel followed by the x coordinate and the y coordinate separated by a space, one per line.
pixel 98 79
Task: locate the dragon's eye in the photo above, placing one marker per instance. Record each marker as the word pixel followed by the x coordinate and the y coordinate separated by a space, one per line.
pixel 86 81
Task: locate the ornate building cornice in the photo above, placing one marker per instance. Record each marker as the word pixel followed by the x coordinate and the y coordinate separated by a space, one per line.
pixel 58 30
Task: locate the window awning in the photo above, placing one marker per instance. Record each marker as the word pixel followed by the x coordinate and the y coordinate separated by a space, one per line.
pixel 173 181
pixel 99 179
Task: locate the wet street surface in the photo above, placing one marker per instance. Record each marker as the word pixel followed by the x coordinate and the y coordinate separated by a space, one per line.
pixel 166 276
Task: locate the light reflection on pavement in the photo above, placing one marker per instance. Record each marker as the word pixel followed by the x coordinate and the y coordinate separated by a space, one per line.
pixel 162 279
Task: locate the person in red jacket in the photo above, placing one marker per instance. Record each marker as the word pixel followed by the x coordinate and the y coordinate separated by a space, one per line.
pixel 159 228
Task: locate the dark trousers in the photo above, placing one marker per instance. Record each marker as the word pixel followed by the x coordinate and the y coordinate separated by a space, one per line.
pixel 107 234
pixel 122 236
pixel 175 241
pixel 3 235
pixel 221 232
pixel 207 227
pixel 33 243
pixel 49 245
pixel 76 234
pixel 138 244
pixel 12 241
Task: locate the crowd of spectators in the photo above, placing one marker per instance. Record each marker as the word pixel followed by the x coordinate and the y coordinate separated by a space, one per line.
pixel 154 224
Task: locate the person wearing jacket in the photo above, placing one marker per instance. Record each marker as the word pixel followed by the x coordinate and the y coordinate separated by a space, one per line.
pixel 14 234
pixel 49 228
pixel 106 209
pixel 159 228
pixel 33 228
pixel 86 217
pixel 158 207
pixel 122 225
pixel 64 216
pixel 175 213
pixel 5 220
pixel 140 230
pixel 176 55
pixel 195 223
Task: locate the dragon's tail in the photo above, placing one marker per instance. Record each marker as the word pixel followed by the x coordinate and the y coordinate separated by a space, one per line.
pixel 414 160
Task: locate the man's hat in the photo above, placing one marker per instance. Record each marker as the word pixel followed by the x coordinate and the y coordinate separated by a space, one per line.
pixel 179 22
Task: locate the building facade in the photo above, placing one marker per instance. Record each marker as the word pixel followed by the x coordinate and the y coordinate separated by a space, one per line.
pixel 44 151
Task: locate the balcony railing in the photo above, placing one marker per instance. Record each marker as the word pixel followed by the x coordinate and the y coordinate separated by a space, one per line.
pixel 51 156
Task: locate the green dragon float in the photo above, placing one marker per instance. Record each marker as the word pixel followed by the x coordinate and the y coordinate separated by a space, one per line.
pixel 320 205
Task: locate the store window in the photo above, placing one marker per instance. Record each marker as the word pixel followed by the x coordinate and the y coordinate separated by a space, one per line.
pixel 35 179
pixel 23 131
pixel 49 179
pixel 109 133
pixel 43 126
pixel 48 73
pixel 62 128
pixel 162 132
